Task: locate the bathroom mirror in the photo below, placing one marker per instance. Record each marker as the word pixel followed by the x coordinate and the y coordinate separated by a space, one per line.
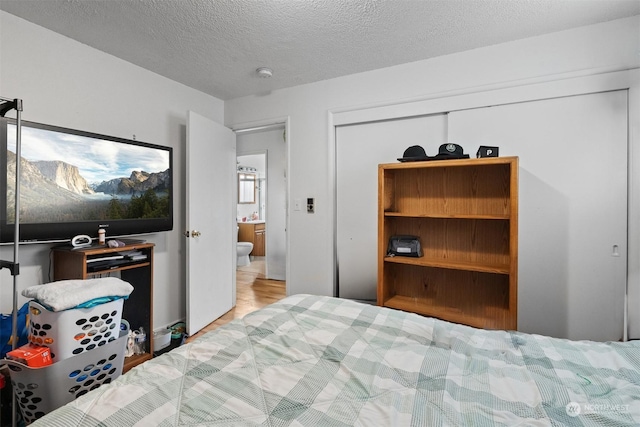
pixel 246 187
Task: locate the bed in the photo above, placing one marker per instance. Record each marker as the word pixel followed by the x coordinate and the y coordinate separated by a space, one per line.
pixel 321 361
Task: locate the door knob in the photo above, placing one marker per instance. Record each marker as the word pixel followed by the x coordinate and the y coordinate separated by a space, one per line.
pixel 195 233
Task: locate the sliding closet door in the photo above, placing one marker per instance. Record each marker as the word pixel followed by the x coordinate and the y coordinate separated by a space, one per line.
pixel 573 207
pixel 359 150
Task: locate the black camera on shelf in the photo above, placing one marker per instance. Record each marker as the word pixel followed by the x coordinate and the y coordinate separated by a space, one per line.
pixel 404 246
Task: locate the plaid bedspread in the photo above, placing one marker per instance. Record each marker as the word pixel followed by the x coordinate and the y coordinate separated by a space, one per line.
pixel 318 361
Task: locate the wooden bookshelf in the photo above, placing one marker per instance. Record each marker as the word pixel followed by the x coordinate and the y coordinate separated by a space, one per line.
pixel 465 213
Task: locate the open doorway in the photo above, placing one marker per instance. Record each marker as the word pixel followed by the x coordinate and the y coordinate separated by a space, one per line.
pixel 251 213
pixel 261 211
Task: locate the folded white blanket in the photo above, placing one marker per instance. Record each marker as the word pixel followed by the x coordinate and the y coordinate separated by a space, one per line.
pixel 65 294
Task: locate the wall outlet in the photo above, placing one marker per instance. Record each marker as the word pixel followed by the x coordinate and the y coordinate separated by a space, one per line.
pixel 310 205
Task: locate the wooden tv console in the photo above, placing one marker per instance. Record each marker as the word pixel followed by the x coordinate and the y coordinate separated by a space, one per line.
pixel 74 263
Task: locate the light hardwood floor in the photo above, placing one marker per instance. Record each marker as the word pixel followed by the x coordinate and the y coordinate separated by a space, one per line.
pixel 253 291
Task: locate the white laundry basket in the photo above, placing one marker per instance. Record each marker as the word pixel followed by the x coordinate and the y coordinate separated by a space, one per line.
pixel 71 332
pixel 39 391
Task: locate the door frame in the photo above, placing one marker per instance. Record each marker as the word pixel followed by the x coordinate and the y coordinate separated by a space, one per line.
pixel 267 124
pixel 576 83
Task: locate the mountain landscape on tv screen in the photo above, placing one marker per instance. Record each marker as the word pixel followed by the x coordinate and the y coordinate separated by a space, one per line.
pixel 55 191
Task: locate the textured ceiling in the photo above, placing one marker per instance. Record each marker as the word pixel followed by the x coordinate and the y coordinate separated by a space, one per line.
pixel 215 46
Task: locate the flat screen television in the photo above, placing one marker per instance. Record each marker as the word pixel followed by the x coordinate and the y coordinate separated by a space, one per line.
pixel 75 182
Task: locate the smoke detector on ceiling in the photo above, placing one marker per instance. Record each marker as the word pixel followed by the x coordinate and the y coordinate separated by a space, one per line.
pixel 264 72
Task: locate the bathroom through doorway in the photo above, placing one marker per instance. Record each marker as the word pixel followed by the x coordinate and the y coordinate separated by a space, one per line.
pixel 262 202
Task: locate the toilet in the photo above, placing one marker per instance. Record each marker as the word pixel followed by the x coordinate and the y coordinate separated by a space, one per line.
pixel 243 250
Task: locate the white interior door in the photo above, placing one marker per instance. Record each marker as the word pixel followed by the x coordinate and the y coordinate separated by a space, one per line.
pixel 359 150
pixel 210 212
pixel 573 207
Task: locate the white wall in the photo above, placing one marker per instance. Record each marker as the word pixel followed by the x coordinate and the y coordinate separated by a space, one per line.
pixel 66 83
pixel 582 51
